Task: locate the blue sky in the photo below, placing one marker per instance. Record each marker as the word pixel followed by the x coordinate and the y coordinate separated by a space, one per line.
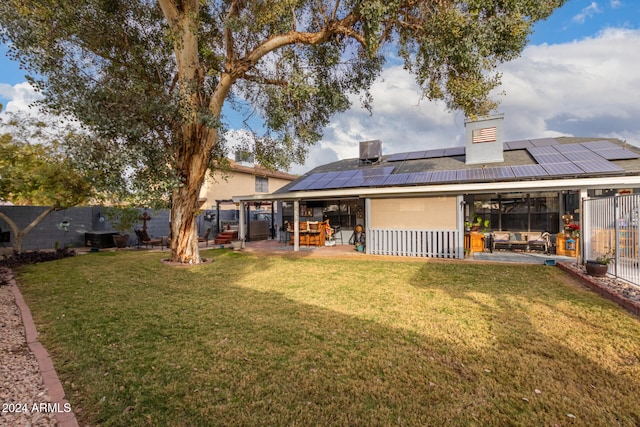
pixel 579 19
pixel 577 77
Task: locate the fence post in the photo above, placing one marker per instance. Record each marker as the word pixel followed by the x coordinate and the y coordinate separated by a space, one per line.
pixel 616 216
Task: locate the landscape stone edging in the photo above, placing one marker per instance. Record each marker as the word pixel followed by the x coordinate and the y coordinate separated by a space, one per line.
pixel 593 284
pixel 45 364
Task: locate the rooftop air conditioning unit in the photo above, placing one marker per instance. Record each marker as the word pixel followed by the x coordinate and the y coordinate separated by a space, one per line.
pixel 370 151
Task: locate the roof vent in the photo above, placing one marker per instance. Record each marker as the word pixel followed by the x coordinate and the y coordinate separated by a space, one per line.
pixel 370 151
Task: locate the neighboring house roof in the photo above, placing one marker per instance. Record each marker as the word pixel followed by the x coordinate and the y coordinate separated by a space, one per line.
pixel 259 171
pixel 541 163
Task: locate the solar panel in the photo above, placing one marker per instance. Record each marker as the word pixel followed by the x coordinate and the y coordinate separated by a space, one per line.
pixel 398 157
pixel 415 155
pixel 562 168
pixel 325 181
pixel 499 172
pixel 306 182
pixel 548 159
pixel 525 171
pixel 370 177
pixel 597 166
pixel 617 154
pixel 519 145
pixel 444 176
pixel 374 181
pixel 474 174
pixel 419 177
pixel 396 179
pixel 570 148
pixel 584 156
pixel 343 179
pixel 542 150
pixel 431 154
pixel 320 184
pixel 600 145
pixel 377 171
pixel 454 151
pixel 543 142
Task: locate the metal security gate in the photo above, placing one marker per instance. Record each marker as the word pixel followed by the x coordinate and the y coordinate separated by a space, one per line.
pixel 418 243
pixel 610 226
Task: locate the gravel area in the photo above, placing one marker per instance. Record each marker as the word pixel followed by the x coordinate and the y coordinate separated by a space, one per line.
pixel 23 396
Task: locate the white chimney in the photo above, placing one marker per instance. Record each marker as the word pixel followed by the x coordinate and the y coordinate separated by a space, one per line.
pixel 484 140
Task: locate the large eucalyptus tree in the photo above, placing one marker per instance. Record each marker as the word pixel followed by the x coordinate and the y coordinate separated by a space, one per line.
pixel 150 78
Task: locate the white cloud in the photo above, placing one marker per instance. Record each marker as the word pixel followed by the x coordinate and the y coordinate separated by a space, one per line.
pixel 584 88
pixel 587 12
pixel 20 97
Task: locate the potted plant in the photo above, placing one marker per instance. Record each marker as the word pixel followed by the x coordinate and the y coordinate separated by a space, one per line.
pixel 598 267
pixel 479 224
pixel 237 245
pixel 122 219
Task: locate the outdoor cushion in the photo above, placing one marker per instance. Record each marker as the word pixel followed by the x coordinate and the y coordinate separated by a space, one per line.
pixel 500 237
pixel 535 237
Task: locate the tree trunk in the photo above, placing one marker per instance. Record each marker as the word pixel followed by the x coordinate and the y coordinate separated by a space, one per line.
pixel 193 161
pixel 194 153
pixel 184 230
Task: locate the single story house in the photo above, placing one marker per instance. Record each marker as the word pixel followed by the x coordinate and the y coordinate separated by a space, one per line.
pixel 419 203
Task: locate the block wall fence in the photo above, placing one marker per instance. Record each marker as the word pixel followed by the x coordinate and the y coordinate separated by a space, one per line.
pixel 80 220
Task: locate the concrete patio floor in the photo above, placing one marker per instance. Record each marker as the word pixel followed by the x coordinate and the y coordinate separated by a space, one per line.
pixel 280 248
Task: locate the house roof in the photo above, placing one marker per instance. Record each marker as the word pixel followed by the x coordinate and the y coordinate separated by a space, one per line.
pixel 544 163
pixel 259 170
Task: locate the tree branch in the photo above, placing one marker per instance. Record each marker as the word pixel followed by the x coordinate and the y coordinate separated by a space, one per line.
pixel 341 27
pixel 234 11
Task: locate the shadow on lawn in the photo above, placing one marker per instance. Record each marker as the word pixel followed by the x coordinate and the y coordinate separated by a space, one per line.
pixel 197 347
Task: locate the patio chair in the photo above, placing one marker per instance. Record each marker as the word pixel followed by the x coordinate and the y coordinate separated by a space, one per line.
pixel 144 239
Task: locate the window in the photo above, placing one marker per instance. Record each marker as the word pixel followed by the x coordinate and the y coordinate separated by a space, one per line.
pixel 262 184
pixel 519 211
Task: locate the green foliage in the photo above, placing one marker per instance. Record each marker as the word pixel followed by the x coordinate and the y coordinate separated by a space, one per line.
pixel 148 80
pixel 112 64
pixel 34 169
pixel 605 259
pixel 122 218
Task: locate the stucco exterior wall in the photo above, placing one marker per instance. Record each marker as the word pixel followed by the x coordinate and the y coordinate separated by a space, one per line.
pixel 236 183
pixel 424 213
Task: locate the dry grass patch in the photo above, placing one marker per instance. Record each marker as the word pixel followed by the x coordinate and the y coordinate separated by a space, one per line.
pixel 246 340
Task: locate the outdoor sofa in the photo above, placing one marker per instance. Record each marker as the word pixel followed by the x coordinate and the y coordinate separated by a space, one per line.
pixel 523 240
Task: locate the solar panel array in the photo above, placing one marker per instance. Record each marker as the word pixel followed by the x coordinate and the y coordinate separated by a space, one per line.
pixel 586 157
pixel 529 143
pixel 427 154
pixel 553 159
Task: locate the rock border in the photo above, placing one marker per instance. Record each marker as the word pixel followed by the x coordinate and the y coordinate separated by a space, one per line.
pixel 49 375
pixel 603 288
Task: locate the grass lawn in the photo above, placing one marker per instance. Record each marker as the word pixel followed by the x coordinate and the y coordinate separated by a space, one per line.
pixel 248 340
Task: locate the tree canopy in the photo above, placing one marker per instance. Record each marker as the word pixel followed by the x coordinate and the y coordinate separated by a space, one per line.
pixel 151 77
pixel 34 170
